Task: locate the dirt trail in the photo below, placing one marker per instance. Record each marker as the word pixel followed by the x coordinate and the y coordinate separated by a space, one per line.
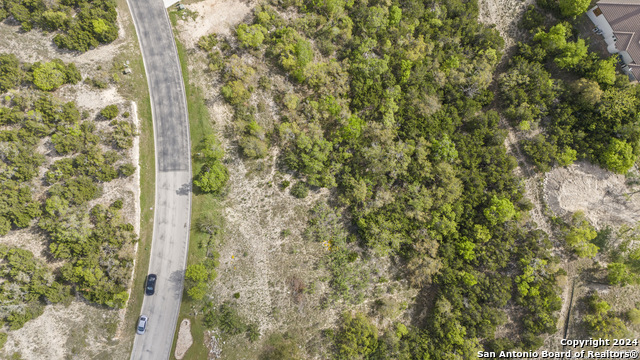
pixel 504 14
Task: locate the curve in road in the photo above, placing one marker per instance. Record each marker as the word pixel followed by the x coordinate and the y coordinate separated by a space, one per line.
pixel 173 178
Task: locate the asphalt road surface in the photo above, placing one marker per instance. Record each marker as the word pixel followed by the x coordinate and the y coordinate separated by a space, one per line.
pixel 173 179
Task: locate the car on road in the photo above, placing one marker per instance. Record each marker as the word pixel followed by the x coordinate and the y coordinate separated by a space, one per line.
pixel 150 289
pixel 142 324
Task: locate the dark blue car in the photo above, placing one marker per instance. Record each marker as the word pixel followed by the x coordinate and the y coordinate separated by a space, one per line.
pixel 151 284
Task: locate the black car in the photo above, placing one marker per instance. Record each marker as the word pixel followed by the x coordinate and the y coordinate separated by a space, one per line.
pixel 151 284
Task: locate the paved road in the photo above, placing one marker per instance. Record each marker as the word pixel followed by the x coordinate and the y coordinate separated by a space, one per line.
pixel 173 178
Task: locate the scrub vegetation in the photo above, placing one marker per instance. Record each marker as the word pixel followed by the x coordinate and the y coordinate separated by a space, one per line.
pixel 80 24
pixel 389 105
pixel 89 236
pixel 56 160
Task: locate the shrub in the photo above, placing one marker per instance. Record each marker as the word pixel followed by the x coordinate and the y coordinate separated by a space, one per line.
pixel 300 190
pixel 619 156
pixel 198 291
pixel 48 76
pixel 251 36
pixel 357 338
pixel 207 42
pixel 573 8
pixel 235 92
pixel 110 112
pixel 212 178
pixel 634 316
pixel 126 170
pixel 197 273
pixel 253 147
pixel 11 73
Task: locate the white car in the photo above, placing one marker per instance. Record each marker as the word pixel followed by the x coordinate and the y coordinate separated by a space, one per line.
pixel 142 324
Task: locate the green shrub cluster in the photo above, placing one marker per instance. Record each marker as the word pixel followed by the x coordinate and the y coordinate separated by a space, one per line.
pixel 122 134
pixel 95 244
pixel 46 76
pixel 213 174
pixel 348 277
pixel 27 285
pixel 17 206
pixel 601 321
pixel 253 143
pixel 82 23
pixel 91 242
pixel 198 277
pixel 11 72
pixel 50 76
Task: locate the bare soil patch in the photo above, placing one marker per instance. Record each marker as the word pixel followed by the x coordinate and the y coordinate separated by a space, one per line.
pixel 599 193
pixel 214 16
pixel 79 331
pixel 185 340
pixel 504 14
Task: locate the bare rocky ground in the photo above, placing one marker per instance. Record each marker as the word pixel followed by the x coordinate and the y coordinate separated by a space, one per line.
pixel 185 340
pixel 599 193
pixel 81 330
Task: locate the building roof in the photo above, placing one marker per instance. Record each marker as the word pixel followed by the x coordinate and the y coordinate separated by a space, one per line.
pixel 624 18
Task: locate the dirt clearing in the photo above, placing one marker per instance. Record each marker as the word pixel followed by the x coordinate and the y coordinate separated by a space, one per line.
pixel 79 331
pixel 600 194
pixel 504 14
pixel 213 16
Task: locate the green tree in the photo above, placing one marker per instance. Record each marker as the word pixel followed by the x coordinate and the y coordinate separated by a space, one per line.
pixel 499 210
pixel 580 236
pixel 603 71
pixel 11 73
pixel 251 36
pixel 197 273
pixel 555 39
pixel 48 76
pixel 212 177
pixel 357 338
pixel 235 92
pixel 572 55
pixel 573 8
pixel 198 291
pixel 601 322
pixel 619 156
pixel 588 92
pixel 618 274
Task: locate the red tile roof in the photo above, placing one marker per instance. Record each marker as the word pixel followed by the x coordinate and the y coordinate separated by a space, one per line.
pixel 624 18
